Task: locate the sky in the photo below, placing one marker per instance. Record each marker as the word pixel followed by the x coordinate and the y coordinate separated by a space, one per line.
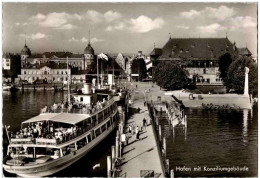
pixel 123 27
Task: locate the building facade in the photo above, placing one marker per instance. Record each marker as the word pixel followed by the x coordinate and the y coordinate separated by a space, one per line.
pixel 49 72
pixel 52 66
pixel 202 56
pixel 6 61
pixel 79 61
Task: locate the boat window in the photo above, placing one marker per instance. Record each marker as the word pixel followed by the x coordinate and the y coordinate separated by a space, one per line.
pixel 97 132
pixel 108 124
pixel 103 128
pixel 89 138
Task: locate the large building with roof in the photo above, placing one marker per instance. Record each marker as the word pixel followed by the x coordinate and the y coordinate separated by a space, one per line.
pixel 52 66
pixel 203 55
pixel 79 61
pixel 50 72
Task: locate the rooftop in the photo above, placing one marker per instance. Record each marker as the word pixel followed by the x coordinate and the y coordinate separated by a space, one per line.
pixel 206 48
pixel 67 118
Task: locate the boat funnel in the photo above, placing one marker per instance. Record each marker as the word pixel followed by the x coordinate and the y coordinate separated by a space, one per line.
pixel 87 87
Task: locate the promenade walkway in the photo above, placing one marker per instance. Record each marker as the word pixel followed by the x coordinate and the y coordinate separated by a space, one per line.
pixel 141 154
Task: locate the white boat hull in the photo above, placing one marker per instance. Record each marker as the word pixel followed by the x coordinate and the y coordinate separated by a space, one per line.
pixel 54 166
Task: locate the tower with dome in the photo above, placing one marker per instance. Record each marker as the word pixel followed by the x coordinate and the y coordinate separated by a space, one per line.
pixel 25 53
pixel 89 54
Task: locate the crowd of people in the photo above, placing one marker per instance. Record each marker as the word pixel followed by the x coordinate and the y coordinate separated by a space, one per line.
pixel 43 130
pixel 74 106
pixel 34 130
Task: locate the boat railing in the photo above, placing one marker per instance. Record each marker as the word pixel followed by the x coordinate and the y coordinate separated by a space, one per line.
pixel 21 140
pixel 60 139
pixel 82 110
pixel 45 141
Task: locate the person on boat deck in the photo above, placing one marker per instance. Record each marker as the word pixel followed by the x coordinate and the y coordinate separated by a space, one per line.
pixel 75 131
pixel 60 135
pixel 35 132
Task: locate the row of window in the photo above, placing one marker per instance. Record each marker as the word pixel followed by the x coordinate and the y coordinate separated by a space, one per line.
pixel 207 80
pixel 54 79
pixel 45 72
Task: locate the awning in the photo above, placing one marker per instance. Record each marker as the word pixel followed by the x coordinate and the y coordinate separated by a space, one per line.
pixel 67 118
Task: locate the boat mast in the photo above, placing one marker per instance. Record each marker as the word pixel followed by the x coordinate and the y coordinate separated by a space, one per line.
pixel 97 74
pixel 113 72
pixel 68 80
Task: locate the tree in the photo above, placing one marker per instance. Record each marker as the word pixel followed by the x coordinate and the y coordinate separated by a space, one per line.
pixel 170 76
pixel 224 62
pixel 139 67
pixel 236 75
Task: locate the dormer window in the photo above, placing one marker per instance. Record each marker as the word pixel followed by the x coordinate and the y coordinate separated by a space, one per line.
pixel 181 50
pixel 192 45
pixel 187 50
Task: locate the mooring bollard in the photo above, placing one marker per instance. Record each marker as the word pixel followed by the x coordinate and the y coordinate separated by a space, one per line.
pixel 160 132
pixel 109 166
pixel 172 173
pixel 113 156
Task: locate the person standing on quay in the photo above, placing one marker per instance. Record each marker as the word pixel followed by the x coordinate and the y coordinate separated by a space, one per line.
pixel 130 129
pixel 137 133
pixel 144 123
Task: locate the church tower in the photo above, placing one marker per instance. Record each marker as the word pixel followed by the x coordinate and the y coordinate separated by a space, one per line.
pixel 88 55
pixel 25 53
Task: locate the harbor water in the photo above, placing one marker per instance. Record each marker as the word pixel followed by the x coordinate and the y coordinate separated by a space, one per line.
pixel 215 143
pixel 219 138
pixel 18 106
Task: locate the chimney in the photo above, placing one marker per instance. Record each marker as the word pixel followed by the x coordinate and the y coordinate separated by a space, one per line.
pixel 87 87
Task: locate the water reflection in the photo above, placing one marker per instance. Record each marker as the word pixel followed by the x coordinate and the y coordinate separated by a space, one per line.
pixel 245 125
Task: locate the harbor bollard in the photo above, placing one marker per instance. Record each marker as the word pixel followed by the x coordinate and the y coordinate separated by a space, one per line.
pixel 160 132
pixel 108 166
pixel 113 156
pixel 172 173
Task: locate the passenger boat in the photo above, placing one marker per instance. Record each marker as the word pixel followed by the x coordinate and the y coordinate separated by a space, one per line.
pixel 62 134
